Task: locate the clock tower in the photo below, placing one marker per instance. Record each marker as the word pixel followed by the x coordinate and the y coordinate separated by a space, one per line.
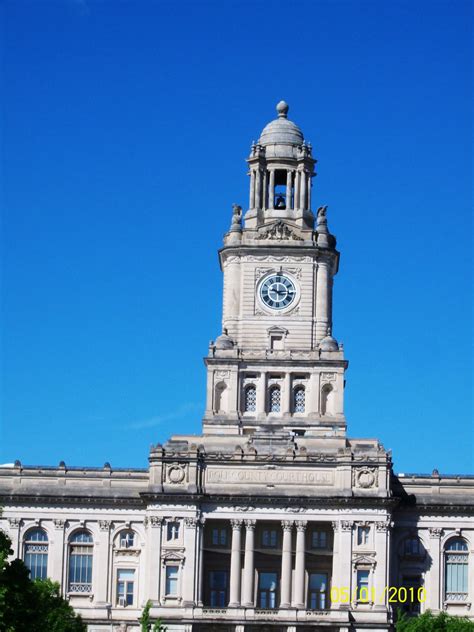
pixel 276 367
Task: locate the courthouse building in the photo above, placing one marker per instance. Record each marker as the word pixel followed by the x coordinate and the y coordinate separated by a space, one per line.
pixel 272 518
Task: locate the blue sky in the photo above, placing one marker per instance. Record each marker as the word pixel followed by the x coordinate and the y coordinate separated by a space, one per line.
pixel 125 131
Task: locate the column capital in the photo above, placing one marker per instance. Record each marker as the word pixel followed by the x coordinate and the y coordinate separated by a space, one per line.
pixel 383 526
pixel 287 525
pixel 346 525
pixel 236 524
pixel 250 524
pixel 154 521
pixel 104 525
pixel 301 525
pixel 191 522
pixel 435 532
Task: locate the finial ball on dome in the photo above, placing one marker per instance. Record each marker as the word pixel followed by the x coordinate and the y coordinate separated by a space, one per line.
pixel 282 109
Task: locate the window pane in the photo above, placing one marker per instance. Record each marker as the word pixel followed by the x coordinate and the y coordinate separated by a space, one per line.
pixel 363 585
pixel 172 580
pixel 299 400
pixel 250 399
pixel 124 574
pixel 275 399
pixel 268 581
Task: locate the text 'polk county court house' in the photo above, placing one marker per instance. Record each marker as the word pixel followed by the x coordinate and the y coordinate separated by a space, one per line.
pixel 272 518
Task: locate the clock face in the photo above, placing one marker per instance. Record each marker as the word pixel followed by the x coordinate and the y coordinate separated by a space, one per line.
pixel 277 291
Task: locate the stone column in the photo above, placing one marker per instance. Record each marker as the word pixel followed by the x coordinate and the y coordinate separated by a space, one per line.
pixel 249 570
pixel 56 557
pixel 261 393
pixel 297 189
pixel 264 190
pixel 288 189
pixel 153 557
pixel 14 535
pixel 342 559
pixel 322 319
pixel 381 572
pixel 433 587
pixel 258 189
pixel 286 399
pixel 299 600
pixel 309 191
pixel 200 561
pixel 312 398
pixel 303 191
pixel 100 568
pixel 271 190
pixel 252 189
pixel 190 535
pixel 235 566
pixel 285 600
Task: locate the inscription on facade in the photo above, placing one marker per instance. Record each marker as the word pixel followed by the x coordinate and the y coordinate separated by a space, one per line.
pixel 256 476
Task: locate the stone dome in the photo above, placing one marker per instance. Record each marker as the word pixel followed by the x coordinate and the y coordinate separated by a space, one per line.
pixel 281 131
pixel 329 344
pixel 224 341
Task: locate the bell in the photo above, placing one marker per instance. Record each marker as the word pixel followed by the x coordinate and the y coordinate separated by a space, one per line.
pixel 280 202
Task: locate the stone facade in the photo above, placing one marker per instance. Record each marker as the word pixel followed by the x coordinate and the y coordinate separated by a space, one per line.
pixel 272 518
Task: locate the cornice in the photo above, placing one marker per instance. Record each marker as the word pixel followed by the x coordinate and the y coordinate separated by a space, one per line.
pixel 67 500
pixel 279 502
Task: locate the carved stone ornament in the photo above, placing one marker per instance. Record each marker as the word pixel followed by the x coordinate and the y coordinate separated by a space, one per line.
pixel 365 477
pixel 59 523
pixel 155 521
pixel 279 231
pixel 243 508
pixel 328 377
pixel 123 627
pixel 382 526
pixel 287 525
pixel 191 522
pixel 222 375
pixel 335 525
pixel 435 532
pixel 236 524
pixel 176 474
pixel 346 525
pixel 250 524
pixel 104 525
pixel 14 522
pixel 295 509
pixel 301 525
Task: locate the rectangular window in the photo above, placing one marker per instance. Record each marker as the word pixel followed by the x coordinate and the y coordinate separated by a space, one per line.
pixel 269 538
pixel 363 585
pixel 413 585
pixel 318 589
pixel 172 530
pixel 456 577
pixel 219 536
pixel 319 540
pixel 125 587
pixel 267 590
pixel 363 535
pixel 172 580
pixel 218 582
pixel 36 559
pixel 80 569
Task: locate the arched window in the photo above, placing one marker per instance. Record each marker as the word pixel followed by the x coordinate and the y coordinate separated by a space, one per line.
pixel 250 399
pixel 127 539
pixel 275 399
pixel 456 565
pixel 299 399
pixel 80 562
pixel 36 553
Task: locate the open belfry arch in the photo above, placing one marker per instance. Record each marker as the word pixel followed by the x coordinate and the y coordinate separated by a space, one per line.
pixel 272 519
